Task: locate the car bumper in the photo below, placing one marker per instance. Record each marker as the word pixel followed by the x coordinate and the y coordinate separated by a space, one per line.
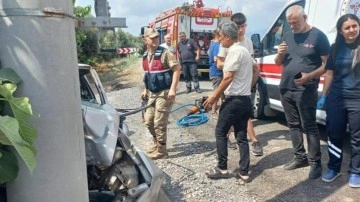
pixel 154 192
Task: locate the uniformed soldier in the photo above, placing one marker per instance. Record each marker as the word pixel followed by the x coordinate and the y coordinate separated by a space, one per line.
pixel 161 77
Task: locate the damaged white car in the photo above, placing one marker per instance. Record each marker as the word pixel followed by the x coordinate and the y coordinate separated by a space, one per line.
pixel 116 169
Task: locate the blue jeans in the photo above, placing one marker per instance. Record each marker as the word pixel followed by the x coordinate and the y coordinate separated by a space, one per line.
pixel 300 112
pixel 235 111
pixel 339 113
pixel 189 70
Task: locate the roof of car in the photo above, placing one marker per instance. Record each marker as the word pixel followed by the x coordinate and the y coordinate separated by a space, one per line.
pixel 84 66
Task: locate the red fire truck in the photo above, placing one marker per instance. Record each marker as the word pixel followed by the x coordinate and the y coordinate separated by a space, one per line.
pixel 196 21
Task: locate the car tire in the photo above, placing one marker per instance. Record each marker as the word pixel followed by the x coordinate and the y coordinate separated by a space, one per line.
pixel 259 99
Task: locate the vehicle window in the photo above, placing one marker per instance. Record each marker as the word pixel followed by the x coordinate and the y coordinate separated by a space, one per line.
pixel 84 92
pixel 203 40
pixel 273 38
pixel 162 33
pixel 276 33
pixel 89 91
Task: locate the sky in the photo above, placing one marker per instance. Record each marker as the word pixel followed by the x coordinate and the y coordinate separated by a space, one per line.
pixel 260 13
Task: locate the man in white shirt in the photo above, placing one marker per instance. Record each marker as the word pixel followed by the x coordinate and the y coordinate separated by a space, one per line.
pixel 236 108
pixel 240 21
pixel 167 43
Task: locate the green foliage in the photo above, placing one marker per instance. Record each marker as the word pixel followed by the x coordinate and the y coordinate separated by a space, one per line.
pixel 126 39
pixel 8 75
pixel 86 39
pixel 89 40
pixel 82 12
pixel 126 62
pixel 108 40
pixel 87 45
pixel 15 130
pixel 9 166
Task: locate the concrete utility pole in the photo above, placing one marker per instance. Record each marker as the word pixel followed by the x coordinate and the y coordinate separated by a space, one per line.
pixel 104 22
pixel 41 47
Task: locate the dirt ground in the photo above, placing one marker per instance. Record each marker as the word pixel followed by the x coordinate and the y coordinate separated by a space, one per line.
pixel 269 181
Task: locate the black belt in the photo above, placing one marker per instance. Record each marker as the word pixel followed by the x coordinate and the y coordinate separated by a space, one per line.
pixel 237 96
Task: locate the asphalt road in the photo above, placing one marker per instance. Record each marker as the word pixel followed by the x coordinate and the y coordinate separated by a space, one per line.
pixel 269 181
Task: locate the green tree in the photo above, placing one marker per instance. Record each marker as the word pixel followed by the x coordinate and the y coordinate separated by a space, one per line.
pixel 87 45
pixel 108 40
pixel 126 39
pixel 88 40
pixel 82 12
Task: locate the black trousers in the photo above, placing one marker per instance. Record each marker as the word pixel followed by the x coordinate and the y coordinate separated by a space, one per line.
pixel 300 113
pixel 339 113
pixel 189 70
pixel 235 111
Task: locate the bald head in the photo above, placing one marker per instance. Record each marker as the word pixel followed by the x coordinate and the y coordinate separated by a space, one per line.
pixel 167 39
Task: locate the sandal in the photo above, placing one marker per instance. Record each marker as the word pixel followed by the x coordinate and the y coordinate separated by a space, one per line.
pixel 216 173
pixel 244 178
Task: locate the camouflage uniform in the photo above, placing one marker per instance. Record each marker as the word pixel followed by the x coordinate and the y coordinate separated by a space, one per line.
pixel 156 116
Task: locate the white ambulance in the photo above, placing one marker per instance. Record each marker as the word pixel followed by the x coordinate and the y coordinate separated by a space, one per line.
pixel 322 14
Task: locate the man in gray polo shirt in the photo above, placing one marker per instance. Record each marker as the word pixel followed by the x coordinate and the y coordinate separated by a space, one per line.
pixel 236 108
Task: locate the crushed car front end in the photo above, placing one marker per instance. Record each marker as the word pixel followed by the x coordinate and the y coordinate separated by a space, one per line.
pixel 115 166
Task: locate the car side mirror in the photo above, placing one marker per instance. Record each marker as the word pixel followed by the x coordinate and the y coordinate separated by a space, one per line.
pixel 142 31
pixel 257 45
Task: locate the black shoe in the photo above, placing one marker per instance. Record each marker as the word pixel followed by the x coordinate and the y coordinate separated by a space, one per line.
pixel 315 171
pixel 198 90
pixel 188 90
pixel 296 163
pixel 257 149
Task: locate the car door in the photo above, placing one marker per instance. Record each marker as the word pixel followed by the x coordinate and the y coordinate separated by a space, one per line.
pixel 101 120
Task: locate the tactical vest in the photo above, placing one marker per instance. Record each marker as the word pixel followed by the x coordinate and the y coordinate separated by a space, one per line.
pixel 156 77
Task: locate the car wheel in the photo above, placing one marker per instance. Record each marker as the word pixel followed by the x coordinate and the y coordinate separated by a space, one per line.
pixel 259 99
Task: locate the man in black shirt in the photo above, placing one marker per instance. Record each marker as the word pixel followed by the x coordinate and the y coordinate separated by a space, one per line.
pixel 188 59
pixel 303 54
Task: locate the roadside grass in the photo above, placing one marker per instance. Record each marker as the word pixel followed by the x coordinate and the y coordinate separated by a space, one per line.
pixel 114 73
pixel 110 71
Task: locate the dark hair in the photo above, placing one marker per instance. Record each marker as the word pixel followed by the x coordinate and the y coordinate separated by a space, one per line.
pixel 238 18
pixel 340 38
